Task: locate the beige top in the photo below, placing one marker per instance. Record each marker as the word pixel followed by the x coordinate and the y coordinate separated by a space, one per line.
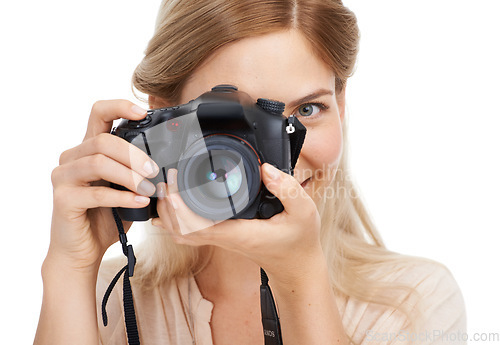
pixel 163 315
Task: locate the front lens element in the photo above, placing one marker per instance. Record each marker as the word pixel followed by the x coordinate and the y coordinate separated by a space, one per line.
pixel 219 175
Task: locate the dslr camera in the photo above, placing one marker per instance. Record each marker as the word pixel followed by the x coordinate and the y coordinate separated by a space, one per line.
pixel 217 143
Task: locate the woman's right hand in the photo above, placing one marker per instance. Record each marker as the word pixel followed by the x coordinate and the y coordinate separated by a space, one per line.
pixel 82 223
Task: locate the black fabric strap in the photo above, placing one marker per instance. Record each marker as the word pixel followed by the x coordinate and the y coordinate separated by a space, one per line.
pixel 296 140
pixel 128 306
pixel 128 301
pixel 270 319
pixel 108 293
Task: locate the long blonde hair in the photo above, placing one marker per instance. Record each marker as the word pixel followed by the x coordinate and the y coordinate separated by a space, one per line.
pixel 187 32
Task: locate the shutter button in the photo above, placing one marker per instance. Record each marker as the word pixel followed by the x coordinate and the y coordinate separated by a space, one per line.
pixel 141 123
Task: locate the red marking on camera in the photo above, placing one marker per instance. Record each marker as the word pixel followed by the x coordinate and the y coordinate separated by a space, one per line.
pixel 173 126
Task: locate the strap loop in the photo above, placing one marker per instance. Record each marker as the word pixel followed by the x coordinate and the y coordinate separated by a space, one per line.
pixel 128 301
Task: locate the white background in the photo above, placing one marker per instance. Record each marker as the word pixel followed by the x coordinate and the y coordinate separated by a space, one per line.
pixel 423 114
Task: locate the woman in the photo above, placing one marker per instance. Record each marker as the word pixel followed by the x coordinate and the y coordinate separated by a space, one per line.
pixel 332 278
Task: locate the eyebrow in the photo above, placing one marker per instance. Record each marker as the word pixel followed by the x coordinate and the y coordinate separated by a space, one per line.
pixel 310 97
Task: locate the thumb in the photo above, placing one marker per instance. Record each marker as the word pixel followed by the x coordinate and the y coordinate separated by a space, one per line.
pixel 286 188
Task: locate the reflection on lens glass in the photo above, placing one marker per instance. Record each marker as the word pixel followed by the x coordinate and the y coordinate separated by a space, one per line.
pixel 211 176
pixel 221 176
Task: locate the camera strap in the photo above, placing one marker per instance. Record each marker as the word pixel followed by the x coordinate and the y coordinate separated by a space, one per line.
pixel 270 319
pixel 127 271
pixel 297 134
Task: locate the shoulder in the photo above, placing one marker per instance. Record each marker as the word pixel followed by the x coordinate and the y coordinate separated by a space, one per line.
pixel 434 285
pixel 429 278
pixel 440 302
pixel 429 293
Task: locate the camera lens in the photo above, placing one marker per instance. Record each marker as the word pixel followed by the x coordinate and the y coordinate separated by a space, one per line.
pixel 219 176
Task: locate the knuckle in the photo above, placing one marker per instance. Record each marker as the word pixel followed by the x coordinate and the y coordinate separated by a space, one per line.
pixel 54 176
pixel 99 195
pixel 64 157
pixel 97 106
pixel 124 104
pixel 96 161
pixel 101 141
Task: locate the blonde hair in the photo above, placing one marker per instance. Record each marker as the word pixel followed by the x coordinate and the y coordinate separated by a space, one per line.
pixel 187 32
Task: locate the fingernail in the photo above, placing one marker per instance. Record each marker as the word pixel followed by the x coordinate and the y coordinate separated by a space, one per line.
pixel 170 176
pixel 271 172
pixel 146 188
pixel 138 110
pixel 150 168
pixel 161 191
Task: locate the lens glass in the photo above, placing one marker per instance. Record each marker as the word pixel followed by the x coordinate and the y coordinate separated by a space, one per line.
pixel 219 175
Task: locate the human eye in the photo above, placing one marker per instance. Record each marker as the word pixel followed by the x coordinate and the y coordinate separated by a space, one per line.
pixel 310 110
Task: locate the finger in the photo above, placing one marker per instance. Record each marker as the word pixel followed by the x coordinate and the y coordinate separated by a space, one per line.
pixel 287 189
pixel 172 187
pixel 93 197
pixel 188 220
pixel 103 114
pixel 116 148
pixel 100 167
pixel 166 212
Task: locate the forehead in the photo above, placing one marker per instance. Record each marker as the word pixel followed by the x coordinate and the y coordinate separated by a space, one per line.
pixel 280 65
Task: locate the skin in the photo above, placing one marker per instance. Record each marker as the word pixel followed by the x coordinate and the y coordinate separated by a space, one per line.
pixel 287 246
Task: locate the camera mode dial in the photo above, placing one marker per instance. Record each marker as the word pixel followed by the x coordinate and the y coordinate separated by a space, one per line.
pixel 273 107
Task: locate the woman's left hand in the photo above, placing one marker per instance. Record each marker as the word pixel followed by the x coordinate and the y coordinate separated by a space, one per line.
pixel 285 245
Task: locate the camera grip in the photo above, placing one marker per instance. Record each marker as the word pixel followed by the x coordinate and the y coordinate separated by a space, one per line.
pixel 136 214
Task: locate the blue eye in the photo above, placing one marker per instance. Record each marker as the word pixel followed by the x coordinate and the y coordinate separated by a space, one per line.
pixel 310 109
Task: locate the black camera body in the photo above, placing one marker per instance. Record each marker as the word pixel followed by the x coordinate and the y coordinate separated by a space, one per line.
pixel 217 142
